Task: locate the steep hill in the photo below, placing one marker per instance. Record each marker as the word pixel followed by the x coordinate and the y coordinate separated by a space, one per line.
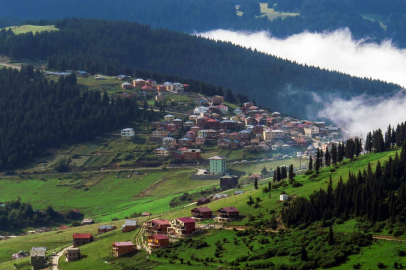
pixel 111 47
pixel 373 19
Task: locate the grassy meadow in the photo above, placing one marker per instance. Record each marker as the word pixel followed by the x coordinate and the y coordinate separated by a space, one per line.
pixel 272 14
pixel 22 29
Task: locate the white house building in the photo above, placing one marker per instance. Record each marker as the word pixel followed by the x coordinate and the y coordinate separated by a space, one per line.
pixel 200 110
pixel 283 197
pixel 127 133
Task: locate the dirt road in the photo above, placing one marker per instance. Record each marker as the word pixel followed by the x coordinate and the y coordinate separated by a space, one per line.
pixel 55 258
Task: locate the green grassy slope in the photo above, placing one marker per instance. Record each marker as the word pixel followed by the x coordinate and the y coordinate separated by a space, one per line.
pixel 32 28
pixel 239 201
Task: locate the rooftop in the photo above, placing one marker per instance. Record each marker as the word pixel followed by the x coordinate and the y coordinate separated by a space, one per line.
pixel 123 244
pixel 203 209
pixel 160 236
pixel 230 209
pixel 187 220
pixel 82 235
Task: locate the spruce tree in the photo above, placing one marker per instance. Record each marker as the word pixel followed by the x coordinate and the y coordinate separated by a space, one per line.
pixel 331 236
pixel 327 157
pixel 334 155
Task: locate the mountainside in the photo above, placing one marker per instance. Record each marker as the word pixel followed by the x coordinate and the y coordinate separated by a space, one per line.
pixel 109 47
pixel 38 114
pixel 373 19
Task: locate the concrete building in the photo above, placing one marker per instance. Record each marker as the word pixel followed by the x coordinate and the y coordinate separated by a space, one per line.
pixel 72 254
pixel 127 133
pixel 129 225
pixel 217 165
pixel 123 248
pixel 38 259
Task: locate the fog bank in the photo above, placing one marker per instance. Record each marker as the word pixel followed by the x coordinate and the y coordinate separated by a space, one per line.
pixel 338 51
pixel 333 51
pixel 363 114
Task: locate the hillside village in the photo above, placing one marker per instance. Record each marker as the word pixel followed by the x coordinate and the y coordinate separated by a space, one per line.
pixel 184 136
pixel 212 122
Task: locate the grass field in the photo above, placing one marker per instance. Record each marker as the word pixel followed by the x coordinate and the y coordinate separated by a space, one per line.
pixel 32 28
pixel 104 196
pixel 375 18
pixel 56 240
pixel 172 183
pixel 272 14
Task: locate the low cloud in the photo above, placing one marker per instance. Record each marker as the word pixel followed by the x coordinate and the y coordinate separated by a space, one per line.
pixel 339 51
pixel 363 113
pixel 334 51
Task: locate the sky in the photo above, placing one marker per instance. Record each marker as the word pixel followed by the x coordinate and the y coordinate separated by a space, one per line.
pixel 340 52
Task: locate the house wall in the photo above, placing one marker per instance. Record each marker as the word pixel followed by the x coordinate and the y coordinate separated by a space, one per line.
pixel 217 166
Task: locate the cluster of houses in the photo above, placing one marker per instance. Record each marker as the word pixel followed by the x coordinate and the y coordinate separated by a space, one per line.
pixel 249 128
pixel 159 230
pixel 151 86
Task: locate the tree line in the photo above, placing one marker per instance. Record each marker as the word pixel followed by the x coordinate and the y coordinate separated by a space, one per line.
pixel 108 47
pixel 38 114
pixel 377 196
pixel 17 214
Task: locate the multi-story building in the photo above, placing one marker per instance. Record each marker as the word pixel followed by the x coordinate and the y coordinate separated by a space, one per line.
pixel 72 254
pixel 80 239
pixel 38 257
pixel 169 143
pixel 127 133
pixel 159 133
pixel 156 226
pixel 217 165
pixel 158 241
pixel 123 248
pixel 192 155
pixel 161 152
pixel 182 226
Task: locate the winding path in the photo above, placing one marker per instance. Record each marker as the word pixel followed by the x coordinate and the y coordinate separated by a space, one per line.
pixel 55 258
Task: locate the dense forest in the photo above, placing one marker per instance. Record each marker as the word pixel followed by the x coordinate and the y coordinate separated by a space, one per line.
pixel 202 15
pixel 37 114
pixel 377 196
pixel 108 47
pixel 16 214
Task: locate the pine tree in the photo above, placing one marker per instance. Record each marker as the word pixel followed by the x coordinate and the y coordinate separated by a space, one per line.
pixel 327 158
pixel 250 201
pixel 303 254
pixel 334 155
pixel 310 163
pixel 278 174
pixel 331 236
pixel 317 164
pixel 291 172
pixel 256 183
pixel 368 142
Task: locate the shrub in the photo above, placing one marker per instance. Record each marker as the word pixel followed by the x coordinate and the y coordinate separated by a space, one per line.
pixel 296 184
pixel 381 265
pixel 309 172
pixel 401 253
pixel 357 266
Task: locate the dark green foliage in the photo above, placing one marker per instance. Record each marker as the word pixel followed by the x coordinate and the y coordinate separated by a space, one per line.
pixel 92 45
pixel 37 114
pixel 386 187
pixel 17 214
